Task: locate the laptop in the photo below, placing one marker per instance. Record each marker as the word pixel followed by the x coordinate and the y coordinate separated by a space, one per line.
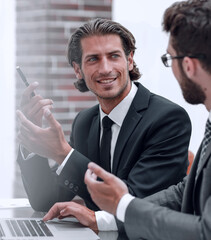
pixel 36 229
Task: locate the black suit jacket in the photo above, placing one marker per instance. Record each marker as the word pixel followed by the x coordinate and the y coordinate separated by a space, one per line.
pixel 150 154
pixel 186 208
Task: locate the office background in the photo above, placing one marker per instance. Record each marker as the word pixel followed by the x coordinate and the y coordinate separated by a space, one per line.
pixel 34 35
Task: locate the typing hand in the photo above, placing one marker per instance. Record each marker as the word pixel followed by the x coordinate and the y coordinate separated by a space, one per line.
pixel 47 142
pixel 71 209
pixel 108 193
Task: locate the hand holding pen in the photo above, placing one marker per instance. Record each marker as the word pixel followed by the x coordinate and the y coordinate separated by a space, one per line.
pixel 33 105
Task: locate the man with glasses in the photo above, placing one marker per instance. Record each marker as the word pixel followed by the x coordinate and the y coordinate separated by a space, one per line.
pixel 182 211
pixel 146 144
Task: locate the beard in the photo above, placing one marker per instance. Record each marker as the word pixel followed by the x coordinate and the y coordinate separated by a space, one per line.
pixel 192 92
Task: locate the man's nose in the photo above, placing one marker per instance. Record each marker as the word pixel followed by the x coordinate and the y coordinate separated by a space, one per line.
pixel 105 66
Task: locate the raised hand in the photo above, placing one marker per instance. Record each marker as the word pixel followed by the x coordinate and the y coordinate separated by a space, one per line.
pixel 33 107
pixel 107 193
pixel 47 142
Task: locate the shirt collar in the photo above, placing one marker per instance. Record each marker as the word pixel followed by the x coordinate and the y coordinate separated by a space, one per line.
pixel 118 114
pixel 210 115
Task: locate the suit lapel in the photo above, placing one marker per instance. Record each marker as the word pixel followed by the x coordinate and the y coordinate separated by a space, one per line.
pixel 198 180
pixel 188 199
pixel 204 160
pixel 134 115
pixel 93 139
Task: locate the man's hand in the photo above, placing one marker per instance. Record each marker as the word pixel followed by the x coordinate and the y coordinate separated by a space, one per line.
pixel 47 142
pixel 34 107
pixel 108 193
pixel 71 209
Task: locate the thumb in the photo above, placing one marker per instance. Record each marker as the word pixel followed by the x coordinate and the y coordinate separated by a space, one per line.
pixel 99 171
pixel 50 118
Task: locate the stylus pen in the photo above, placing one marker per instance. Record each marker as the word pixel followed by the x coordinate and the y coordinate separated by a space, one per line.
pixel 24 79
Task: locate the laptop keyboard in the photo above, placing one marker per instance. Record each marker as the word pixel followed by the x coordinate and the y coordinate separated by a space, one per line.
pixel 27 228
pixel 2 234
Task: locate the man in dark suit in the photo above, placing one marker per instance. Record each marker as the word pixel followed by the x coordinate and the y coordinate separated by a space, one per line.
pixel 150 135
pixel 182 211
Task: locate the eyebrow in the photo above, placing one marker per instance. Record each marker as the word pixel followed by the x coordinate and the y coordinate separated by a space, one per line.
pixel 115 51
pixel 109 53
pixel 91 55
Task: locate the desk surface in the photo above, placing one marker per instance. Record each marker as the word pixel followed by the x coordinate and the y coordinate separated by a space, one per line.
pixel 22 212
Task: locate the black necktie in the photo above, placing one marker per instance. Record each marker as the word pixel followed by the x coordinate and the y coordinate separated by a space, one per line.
pixel 105 147
pixel 205 142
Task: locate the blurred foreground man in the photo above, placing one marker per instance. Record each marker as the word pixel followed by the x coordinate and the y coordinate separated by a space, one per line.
pixel 182 211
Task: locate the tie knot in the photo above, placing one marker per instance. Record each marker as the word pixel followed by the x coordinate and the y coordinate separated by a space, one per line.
pixel 107 122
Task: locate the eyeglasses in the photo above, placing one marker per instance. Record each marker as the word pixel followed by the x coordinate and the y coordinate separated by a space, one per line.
pixel 167 58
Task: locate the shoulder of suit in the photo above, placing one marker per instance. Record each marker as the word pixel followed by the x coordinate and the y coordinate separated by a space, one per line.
pixel 156 100
pixel 89 112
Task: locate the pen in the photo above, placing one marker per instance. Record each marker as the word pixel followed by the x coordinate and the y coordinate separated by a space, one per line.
pixel 24 79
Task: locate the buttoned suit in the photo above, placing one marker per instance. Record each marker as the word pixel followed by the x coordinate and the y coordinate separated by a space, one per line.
pixel 180 212
pixel 150 153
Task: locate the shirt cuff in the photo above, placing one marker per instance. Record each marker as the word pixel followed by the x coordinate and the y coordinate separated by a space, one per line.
pixel 28 156
pixel 122 206
pixel 105 221
pixel 59 170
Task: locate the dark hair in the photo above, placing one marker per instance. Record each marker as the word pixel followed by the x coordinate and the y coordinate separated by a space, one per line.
pixel 100 27
pixel 189 23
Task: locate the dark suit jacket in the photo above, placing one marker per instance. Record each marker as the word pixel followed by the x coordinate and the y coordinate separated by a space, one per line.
pixel 150 154
pixel 186 208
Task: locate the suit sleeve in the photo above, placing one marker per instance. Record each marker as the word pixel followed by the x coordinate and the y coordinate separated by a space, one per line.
pixel 44 187
pixel 171 197
pixel 156 222
pixel 41 183
pixel 72 176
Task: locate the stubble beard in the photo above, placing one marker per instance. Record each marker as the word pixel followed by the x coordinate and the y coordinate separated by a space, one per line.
pixel 112 97
pixel 192 92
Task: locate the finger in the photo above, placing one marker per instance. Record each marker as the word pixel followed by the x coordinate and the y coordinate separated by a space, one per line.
pixel 50 118
pixel 100 172
pixel 72 210
pixel 93 185
pixel 28 91
pixel 24 121
pixel 23 134
pixel 89 176
pixel 35 106
pixel 53 212
pixel 40 105
pixel 67 212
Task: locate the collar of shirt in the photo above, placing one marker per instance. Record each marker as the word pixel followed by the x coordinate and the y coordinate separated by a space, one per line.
pixel 118 114
pixel 210 115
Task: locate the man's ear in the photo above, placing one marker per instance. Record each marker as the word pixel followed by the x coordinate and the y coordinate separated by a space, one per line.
pixel 77 70
pixel 130 61
pixel 189 66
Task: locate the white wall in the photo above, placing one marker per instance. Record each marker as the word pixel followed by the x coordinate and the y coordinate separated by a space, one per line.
pixel 7 96
pixel 143 19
